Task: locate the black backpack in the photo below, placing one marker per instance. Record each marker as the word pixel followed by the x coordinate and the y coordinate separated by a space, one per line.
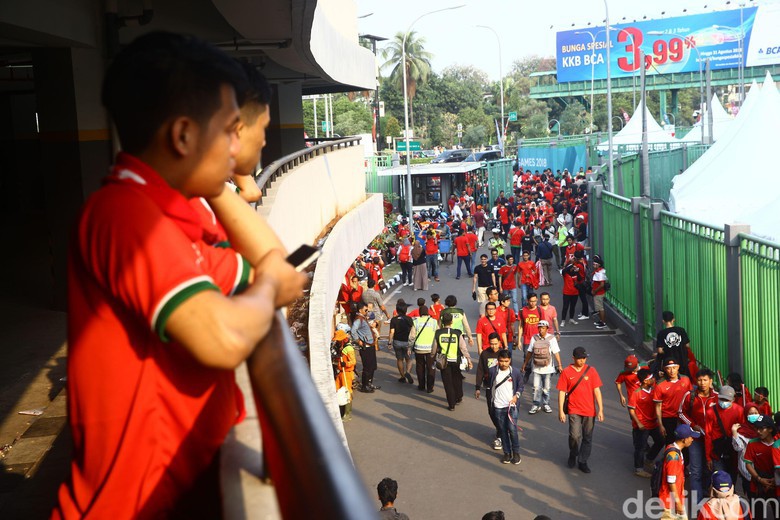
pixel 658 470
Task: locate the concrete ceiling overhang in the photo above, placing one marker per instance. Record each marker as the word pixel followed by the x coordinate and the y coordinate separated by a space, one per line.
pixel 311 41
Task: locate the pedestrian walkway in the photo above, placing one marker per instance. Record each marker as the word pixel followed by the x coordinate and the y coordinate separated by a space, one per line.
pixel 444 462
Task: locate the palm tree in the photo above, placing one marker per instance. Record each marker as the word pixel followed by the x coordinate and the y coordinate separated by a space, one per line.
pixel 418 64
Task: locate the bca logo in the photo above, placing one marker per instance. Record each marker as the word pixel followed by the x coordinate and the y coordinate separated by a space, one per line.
pixel 770 50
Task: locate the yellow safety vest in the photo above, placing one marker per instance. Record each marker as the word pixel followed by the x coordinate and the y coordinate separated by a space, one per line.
pixel 425 329
pixel 449 343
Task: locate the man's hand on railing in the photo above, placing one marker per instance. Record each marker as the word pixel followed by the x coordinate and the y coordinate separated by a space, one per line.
pixel 286 280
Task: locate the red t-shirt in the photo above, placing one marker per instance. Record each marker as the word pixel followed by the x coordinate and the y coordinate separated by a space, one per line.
pixel 630 379
pixel 508 278
pixel 431 246
pixel 759 455
pixel 670 394
pixel 462 246
pixel 569 287
pixel 516 235
pixel 508 315
pixel 473 241
pixel 641 401
pixel 730 416
pixel 434 311
pixel 528 273
pixel 549 314
pixel 673 473
pixel 146 418
pixel 582 401
pixel 503 214
pixel 414 313
pixel 530 320
pixel 486 327
pixel 696 414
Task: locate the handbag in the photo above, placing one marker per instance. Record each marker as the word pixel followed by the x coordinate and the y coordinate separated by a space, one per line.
pixel 722 446
pixel 566 399
pixel 441 357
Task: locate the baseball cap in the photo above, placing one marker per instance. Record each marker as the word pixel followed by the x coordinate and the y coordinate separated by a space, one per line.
pixel 598 260
pixel 543 323
pixel 580 353
pixel 721 481
pixel 726 393
pixel 340 335
pixel 764 421
pixel 683 431
pixel 631 361
pixel 505 296
pixel 671 362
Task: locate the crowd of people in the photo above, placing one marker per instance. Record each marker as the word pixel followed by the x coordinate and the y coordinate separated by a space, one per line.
pixel 680 425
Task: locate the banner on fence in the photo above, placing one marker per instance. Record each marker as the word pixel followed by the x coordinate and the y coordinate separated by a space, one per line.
pixel 554 157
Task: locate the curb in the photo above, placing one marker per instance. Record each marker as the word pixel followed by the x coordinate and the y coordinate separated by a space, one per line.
pixel 391 282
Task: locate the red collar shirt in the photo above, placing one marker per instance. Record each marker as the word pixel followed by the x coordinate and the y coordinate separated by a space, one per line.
pixel 582 400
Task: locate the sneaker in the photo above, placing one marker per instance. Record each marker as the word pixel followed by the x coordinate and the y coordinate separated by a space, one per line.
pixel 547 409
pixel 573 321
pixel 507 458
pixel 409 379
pixel 640 472
pixel 583 317
pixel 572 461
pixel 497 444
pixel 402 380
pixel 516 458
pixel 534 409
pixel 563 323
pixel 600 325
pixel 584 467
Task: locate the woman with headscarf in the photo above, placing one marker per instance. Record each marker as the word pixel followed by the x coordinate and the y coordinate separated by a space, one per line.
pixel 419 266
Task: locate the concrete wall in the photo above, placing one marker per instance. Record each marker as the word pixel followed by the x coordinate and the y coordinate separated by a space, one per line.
pixel 347 239
pixel 305 200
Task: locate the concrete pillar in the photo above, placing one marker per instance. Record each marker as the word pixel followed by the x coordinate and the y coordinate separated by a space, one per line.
pixel 74 138
pixel 662 104
pixel 675 103
pixel 685 156
pixel 639 332
pixel 600 218
pixel 285 133
pixel 734 296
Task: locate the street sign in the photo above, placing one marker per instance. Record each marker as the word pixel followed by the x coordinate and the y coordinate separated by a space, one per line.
pixel 513 116
pixel 414 146
pixel 324 126
pixel 460 127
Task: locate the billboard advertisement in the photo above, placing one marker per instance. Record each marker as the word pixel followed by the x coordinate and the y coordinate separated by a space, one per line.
pixel 671 45
pixel 553 157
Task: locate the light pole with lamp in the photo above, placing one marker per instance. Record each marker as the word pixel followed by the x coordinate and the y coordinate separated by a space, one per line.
pixel 406 106
pixel 619 119
pixel 500 82
pixel 609 99
pixel 701 71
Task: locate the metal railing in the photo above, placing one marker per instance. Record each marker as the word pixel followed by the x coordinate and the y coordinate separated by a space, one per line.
pixel 273 171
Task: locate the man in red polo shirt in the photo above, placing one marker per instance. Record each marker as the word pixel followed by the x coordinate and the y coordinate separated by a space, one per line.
pixel 579 388
pixel 641 408
pixel 672 490
pixel 463 252
pixel 491 322
pixel 667 396
pixel 153 332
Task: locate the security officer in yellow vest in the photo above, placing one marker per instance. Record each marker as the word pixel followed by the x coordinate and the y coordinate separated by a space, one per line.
pixel 422 342
pixel 451 342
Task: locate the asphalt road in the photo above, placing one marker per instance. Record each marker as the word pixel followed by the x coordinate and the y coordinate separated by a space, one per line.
pixel 443 460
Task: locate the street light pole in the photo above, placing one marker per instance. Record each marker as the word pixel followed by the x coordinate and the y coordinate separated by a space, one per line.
pixel 500 82
pixel 592 64
pixel 609 99
pixel 406 106
pixel 619 119
pixel 558 127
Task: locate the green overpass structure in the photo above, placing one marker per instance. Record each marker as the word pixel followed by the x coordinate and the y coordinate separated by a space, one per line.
pixel 547 87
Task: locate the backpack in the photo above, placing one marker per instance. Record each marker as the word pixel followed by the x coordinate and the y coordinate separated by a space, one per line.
pixel 658 470
pixel 542 357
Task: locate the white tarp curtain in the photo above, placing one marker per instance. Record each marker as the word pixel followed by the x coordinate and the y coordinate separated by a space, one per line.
pixel 631 133
pixel 732 181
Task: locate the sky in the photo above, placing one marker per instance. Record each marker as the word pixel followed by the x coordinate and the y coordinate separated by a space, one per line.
pixel 525 28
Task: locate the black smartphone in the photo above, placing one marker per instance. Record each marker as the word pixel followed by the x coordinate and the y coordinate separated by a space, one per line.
pixel 302 257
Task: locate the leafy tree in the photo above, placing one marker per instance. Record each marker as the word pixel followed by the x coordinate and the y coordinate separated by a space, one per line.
pixel 418 64
pixel 573 119
pixel 475 136
pixel 391 127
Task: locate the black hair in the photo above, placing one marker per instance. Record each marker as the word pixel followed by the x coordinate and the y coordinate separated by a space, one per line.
pixel 490 290
pixel 387 490
pixel 162 75
pixel 493 335
pixel 705 372
pixel 423 310
pixel 491 304
pixel 450 301
pixel 642 374
pixel 667 316
pixel 545 293
pixel 735 381
pixel 435 297
pixel 504 354
pixel 371 283
pixel 762 390
pixel 359 305
pixel 420 302
pixel 256 95
pixel 446 319
pixel 400 308
pixel 494 515
pixel 531 295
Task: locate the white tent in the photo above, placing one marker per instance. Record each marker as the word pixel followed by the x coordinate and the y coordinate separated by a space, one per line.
pixel 731 182
pixel 631 133
pixel 720 123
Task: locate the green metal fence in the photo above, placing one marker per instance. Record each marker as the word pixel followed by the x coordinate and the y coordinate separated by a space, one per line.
pixel 618 252
pixel 627 176
pixel 375 183
pixel 760 277
pixel 664 166
pixel 648 289
pixel 500 176
pixel 694 266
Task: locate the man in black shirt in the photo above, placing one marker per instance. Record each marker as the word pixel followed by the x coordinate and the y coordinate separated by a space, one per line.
pixel 483 278
pixel 673 342
pixel 496 263
pixel 400 328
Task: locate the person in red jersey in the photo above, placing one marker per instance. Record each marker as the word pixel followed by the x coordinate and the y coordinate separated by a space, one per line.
pixel 641 408
pixel 723 504
pixel 579 390
pixel 717 443
pixel 693 412
pixel 667 396
pixel 628 377
pixel 758 462
pixel 672 490
pixel 155 324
